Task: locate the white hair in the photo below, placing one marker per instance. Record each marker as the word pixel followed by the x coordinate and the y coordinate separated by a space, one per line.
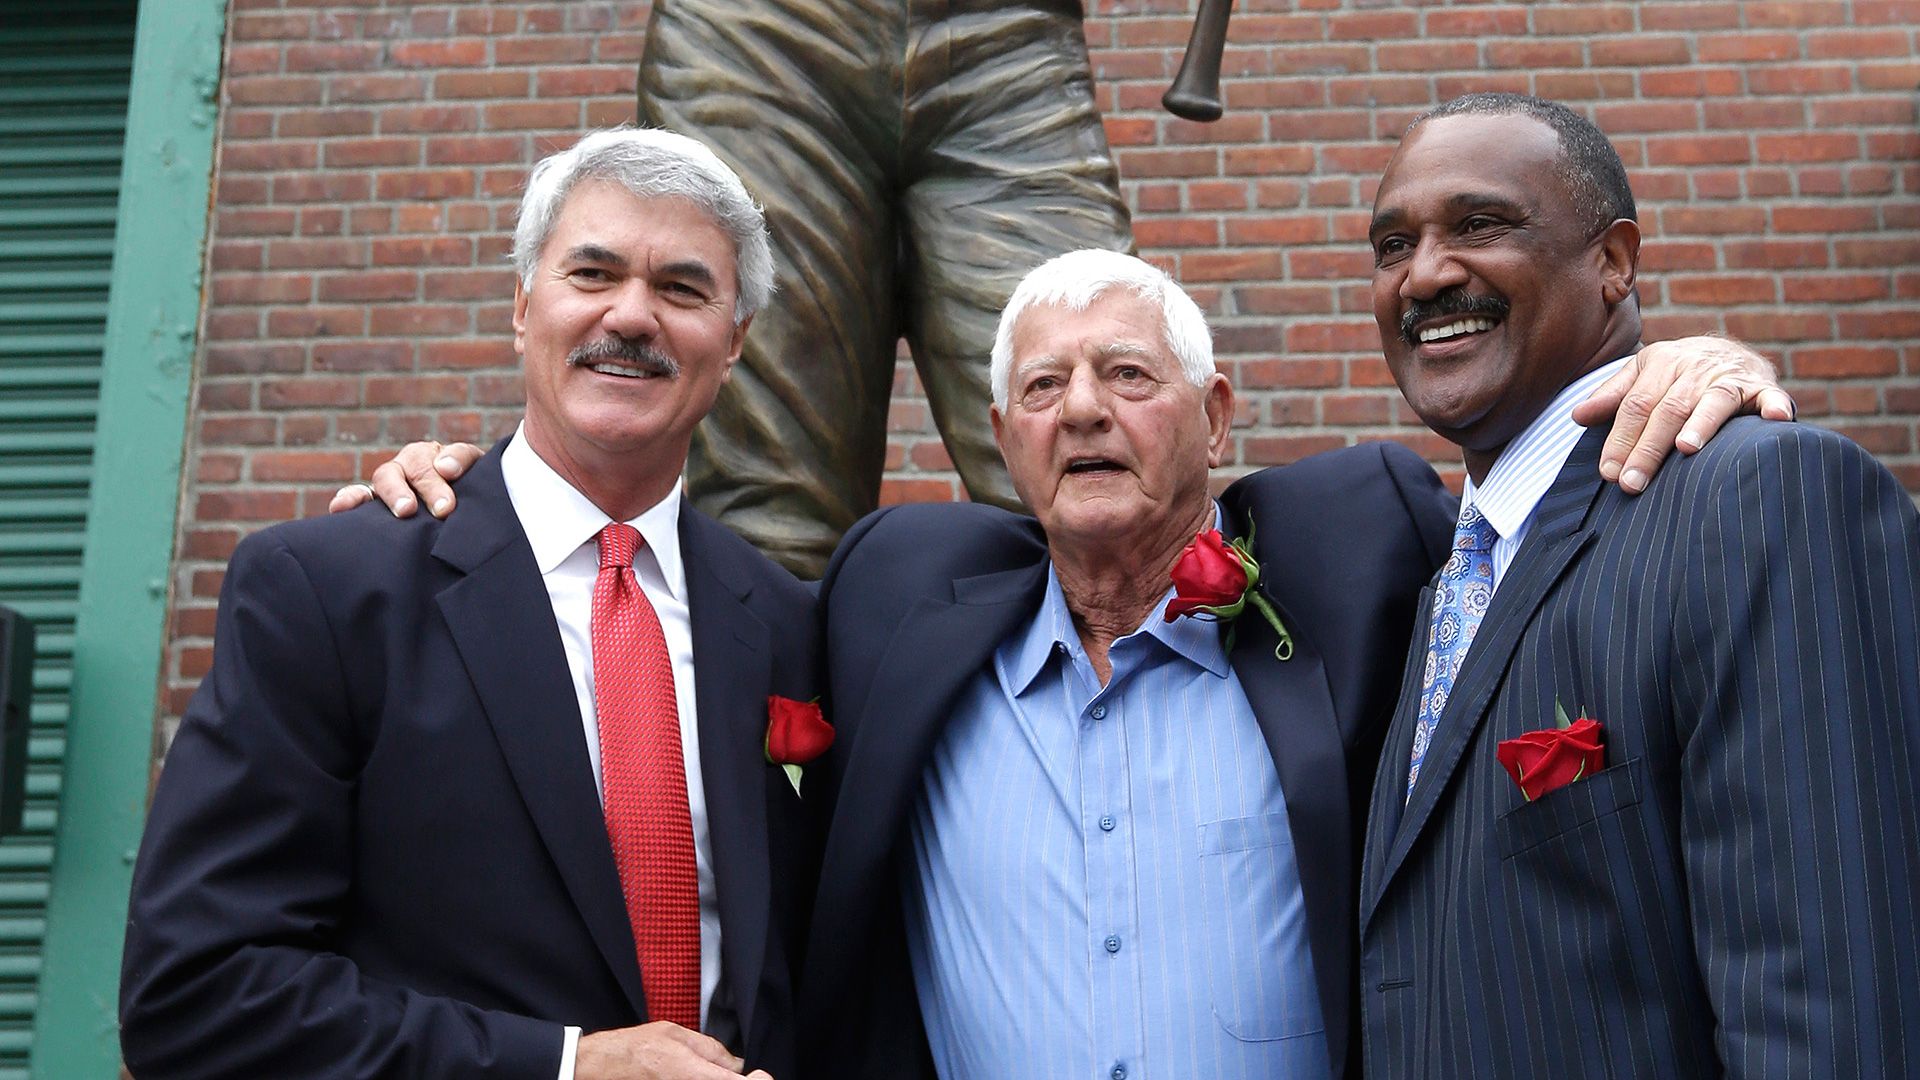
pixel 652 164
pixel 1078 278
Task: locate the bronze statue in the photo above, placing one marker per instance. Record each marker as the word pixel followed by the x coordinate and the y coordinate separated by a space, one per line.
pixel 915 159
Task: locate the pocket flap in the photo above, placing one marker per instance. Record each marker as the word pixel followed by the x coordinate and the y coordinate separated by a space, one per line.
pixel 1570 807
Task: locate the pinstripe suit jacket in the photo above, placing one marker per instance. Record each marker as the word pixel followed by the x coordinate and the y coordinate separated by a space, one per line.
pixel 1735 893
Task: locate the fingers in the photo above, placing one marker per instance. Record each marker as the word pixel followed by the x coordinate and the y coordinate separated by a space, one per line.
pixel 658 1050
pixel 455 459
pixel 705 1047
pixel 1777 404
pixel 349 497
pixel 415 461
pixel 390 486
pixel 1640 408
pixel 1662 432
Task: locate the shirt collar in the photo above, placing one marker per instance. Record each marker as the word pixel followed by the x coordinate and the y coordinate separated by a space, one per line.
pixel 1026 654
pixel 558 519
pixel 1529 464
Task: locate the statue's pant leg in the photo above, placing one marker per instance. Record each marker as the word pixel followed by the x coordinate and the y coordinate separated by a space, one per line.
pixel 1008 166
pixel 797 97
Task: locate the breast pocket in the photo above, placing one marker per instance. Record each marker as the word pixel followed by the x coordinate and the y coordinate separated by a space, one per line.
pixel 1259 966
pixel 1569 809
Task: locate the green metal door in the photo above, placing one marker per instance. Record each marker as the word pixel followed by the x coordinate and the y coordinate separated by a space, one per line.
pixel 64 71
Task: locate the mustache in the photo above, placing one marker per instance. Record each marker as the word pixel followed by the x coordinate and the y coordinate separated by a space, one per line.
pixel 627 351
pixel 1455 301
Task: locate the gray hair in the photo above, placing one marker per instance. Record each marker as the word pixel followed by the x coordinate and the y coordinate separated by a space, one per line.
pixel 1078 278
pixel 653 164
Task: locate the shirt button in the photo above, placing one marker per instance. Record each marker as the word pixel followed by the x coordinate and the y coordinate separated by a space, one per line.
pixel 1113 943
pixel 1106 823
pixel 1099 712
pixel 1119 1072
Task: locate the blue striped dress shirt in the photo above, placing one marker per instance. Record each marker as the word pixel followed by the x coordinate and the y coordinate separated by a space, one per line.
pixel 1528 466
pixel 1103 884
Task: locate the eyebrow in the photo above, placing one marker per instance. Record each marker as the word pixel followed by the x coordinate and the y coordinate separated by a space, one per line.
pixel 595 253
pixel 1456 204
pixel 690 270
pixel 1103 352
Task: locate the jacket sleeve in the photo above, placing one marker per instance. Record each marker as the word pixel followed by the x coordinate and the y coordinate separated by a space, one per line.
pixel 231 966
pixel 1797 700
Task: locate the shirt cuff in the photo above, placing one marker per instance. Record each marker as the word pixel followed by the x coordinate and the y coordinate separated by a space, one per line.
pixel 569 1046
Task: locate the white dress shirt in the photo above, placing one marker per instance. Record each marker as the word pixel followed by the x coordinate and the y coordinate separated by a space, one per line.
pixel 562 527
pixel 1528 466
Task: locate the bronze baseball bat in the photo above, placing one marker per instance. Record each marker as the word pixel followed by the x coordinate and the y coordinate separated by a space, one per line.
pixel 1195 93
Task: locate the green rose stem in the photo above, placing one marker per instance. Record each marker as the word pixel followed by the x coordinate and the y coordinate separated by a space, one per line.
pixel 1243 550
pixel 1284 650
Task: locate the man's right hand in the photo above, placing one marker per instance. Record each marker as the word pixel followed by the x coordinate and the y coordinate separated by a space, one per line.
pixel 656 1051
pixel 421 469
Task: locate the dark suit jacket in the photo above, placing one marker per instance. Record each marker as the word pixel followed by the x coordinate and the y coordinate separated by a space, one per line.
pixel 376 849
pixel 917 599
pixel 1735 894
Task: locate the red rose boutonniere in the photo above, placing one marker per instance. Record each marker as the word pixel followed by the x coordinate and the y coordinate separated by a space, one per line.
pixel 1218 579
pixel 796 734
pixel 1550 759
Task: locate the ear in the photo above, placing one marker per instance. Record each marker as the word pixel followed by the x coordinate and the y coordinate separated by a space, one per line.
pixel 1619 260
pixel 995 421
pixel 733 348
pixel 1219 405
pixel 519 316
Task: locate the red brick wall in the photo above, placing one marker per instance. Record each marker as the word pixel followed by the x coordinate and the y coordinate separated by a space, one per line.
pixel 370 157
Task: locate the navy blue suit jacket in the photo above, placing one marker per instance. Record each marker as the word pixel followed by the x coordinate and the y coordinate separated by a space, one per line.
pixel 1736 893
pixel 918 597
pixel 376 848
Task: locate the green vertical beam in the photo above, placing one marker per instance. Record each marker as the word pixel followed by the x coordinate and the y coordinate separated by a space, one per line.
pixel 152 317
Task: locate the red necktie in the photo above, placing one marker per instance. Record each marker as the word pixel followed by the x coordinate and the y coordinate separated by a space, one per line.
pixel 643 783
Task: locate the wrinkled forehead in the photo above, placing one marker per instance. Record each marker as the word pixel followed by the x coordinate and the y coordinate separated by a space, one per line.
pixel 1117 321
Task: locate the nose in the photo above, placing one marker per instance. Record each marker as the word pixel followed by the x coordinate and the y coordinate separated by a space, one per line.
pixel 1431 270
pixel 630 311
pixel 1084 405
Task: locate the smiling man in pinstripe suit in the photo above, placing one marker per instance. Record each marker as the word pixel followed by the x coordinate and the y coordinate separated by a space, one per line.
pixel 1733 891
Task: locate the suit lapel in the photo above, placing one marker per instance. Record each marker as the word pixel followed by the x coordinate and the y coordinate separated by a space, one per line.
pixel 733 672
pixel 1390 778
pixel 1556 539
pixel 941 644
pixel 501 621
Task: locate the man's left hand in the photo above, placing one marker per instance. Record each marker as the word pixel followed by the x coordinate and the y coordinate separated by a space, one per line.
pixel 1678 394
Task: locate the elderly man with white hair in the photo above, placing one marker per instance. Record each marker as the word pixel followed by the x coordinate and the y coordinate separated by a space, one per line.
pixel 1099 778
pixel 457 791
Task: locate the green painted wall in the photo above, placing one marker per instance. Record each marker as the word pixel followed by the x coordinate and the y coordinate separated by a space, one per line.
pixel 152 319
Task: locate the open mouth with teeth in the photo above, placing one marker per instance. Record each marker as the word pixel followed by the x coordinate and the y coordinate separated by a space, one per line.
pixel 1461 327
pixel 624 371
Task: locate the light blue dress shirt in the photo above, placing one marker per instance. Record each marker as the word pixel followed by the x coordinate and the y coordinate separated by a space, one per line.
pixel 1103 884
pixel 1528 466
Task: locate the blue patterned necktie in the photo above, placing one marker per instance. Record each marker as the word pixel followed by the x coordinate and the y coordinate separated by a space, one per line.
pixel 1459 603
